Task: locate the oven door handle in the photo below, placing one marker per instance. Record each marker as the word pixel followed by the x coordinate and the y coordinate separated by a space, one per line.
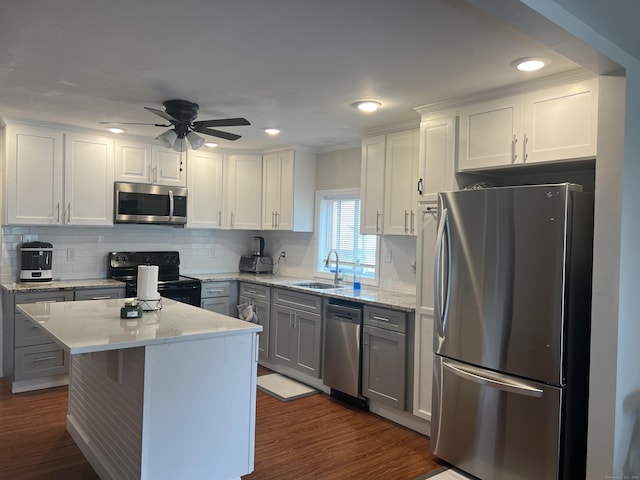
pixel 171 205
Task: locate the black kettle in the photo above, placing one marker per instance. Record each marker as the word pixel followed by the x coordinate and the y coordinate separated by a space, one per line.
pixel 257 247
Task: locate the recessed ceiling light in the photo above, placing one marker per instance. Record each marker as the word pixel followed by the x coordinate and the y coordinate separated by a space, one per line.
pixel 116 130
pixel 272 131
pixel 530 64
pixel 367 105
pixel 210 144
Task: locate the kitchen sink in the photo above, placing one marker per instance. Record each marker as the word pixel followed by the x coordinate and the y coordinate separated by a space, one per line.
pixel 316 285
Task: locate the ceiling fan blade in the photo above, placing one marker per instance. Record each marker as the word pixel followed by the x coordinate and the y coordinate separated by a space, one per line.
pixel 223 122
pixel 135 123
pixel 162 114
pixel 215 133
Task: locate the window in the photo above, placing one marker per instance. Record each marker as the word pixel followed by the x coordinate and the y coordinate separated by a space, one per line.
pixel 339 229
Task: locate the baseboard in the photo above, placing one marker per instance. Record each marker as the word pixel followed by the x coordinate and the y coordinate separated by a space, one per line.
pixel 20 386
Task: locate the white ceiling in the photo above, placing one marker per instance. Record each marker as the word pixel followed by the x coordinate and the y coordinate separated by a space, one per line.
pixel 294 65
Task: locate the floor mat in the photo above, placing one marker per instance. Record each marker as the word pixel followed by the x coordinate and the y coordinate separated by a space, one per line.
pixel 283 388
pixel 445 473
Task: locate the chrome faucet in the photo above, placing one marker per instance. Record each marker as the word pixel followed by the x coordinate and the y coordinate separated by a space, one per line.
pixel 336 278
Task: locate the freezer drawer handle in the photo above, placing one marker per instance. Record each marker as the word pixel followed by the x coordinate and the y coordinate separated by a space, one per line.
pixel 499 383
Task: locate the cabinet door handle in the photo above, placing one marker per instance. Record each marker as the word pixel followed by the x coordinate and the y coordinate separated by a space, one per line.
pixel 43 359
pixel 58 212
pixel 69 212
pixel 377 221
pixel 420 187
pixel 219 218
pixel 291 323
pixel 514 155
pixel 231 219
pixel 524 147
pixel 413 216
pixel 406 215
pixel 277 219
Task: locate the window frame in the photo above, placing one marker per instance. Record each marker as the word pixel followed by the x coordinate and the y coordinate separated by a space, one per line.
pixel 321 195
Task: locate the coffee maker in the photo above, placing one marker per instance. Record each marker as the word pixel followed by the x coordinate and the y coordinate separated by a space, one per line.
pixel 257 247
pixel 35 262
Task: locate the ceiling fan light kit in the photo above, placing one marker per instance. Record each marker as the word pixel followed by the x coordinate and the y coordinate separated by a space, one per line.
pixel 182 115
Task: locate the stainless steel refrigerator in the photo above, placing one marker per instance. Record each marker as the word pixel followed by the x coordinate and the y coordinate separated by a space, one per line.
pixel 512 323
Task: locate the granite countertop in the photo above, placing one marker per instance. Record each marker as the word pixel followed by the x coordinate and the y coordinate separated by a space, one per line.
pixel 18 287
pixel 367 295
pixel 95 325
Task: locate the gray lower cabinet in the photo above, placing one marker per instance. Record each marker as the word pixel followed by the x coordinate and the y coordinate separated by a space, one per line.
pixel 296 331
pixel 30 358
pixel 384 357
pixel 259 297
pixel 219 297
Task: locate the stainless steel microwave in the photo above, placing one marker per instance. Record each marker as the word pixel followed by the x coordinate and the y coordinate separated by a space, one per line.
pixel 146 203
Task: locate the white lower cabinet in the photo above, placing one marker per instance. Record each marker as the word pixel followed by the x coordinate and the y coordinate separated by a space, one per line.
pixel 296 331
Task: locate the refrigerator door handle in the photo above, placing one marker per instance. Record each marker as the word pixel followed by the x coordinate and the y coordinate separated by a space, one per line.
pixel 494 380
pixel 442 305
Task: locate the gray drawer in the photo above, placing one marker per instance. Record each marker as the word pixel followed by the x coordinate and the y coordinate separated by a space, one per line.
pixel 99 293
pixel 44 297
pixel 394 320
pixel 252 290
pixel 28 333
pixel 40 361
pixel 301 301
pixel 215 289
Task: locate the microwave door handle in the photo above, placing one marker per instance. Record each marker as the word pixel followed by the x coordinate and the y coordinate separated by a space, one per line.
pixel 170 205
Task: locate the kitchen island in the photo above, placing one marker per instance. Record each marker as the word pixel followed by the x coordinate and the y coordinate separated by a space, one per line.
pixel 168 395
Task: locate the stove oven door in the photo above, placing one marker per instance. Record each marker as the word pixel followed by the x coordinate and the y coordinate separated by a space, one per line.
pixel 188 292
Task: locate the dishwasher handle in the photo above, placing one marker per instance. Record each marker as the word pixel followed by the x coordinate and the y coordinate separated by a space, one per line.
pixel 343 312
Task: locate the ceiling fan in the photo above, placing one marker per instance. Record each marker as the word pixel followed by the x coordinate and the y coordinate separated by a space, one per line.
pixel 181 116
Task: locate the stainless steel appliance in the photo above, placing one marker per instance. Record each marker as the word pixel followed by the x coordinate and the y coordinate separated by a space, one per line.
pixel 257 246
pixel 342 359
pixel 123 266
pixel 512 322
pixel 35 262
pixel 256 264
pixel 146 203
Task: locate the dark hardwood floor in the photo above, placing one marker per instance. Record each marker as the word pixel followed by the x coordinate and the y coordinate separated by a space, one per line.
pixel 315 437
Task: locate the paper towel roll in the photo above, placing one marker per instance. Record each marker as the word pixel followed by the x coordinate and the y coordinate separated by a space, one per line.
pixel 148 282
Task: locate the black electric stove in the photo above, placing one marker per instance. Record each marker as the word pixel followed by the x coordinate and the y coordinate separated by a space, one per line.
pixel 123 266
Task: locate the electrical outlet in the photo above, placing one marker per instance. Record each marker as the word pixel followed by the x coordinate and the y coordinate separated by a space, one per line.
pixel 283 255
pixel 71 254
pixel 387 256
pixel 213 252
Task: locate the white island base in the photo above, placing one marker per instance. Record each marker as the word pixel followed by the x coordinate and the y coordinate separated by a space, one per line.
pixel 177 403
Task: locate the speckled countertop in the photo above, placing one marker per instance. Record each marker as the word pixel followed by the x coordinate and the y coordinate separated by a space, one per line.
pixel 17 287
pixel 367 295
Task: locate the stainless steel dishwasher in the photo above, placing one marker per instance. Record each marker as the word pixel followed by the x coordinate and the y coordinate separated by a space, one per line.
pixel 342 359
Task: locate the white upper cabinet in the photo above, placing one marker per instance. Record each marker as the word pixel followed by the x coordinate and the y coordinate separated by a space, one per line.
pixel 88 185
pixel 437 155
pixel 132 161
pixel 400 183
pixel 167 166
pixel 244 197
pixel 489 134
pixel 206 189
pixel 54 178
pixel 553 124
pixel 288 189
pixel 372 184
pixel 146 163
pixel 33 166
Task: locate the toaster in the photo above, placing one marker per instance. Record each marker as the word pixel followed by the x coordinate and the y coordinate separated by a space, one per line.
pixel 256 264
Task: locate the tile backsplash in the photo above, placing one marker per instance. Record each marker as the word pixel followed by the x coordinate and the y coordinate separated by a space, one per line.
pixel 81 252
